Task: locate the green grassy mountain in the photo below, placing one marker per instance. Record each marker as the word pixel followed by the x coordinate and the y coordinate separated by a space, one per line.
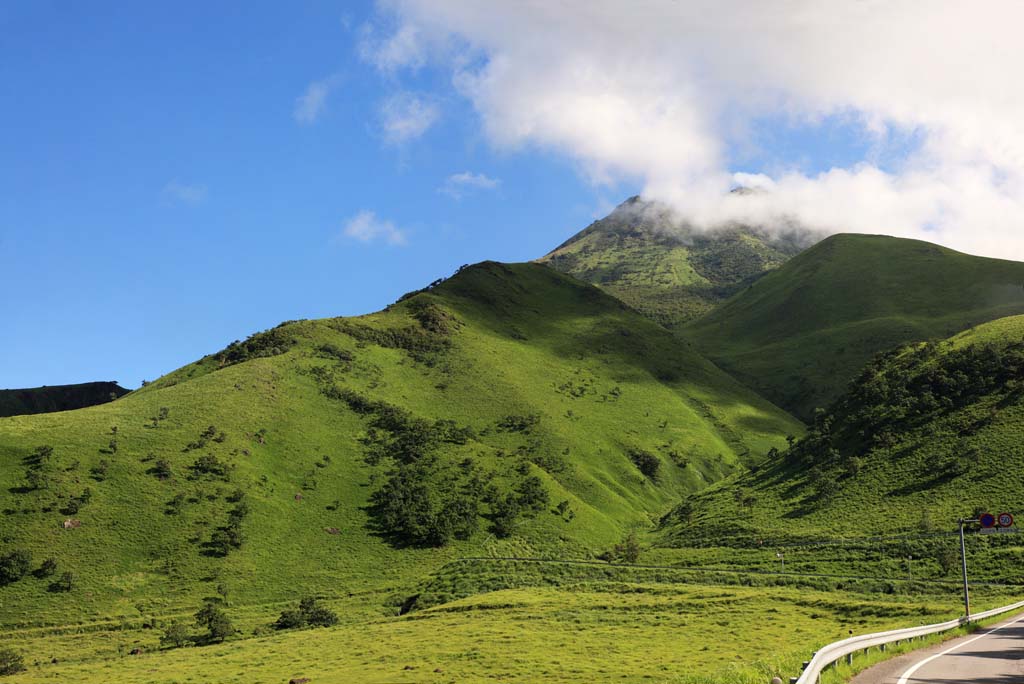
pixel 508 410
pixel 670 272
pixel 49 398
pixel 925 434
pixel 801 333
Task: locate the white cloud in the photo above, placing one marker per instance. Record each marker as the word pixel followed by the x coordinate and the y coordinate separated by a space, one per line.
pixel 311 104
pixel 405 116
pixel 402 49
pixel 659 91
pixel 183 193
pixel 459 184
pixel 367 227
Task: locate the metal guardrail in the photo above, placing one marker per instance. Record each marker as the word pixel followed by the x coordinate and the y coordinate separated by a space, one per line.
pixel 847 647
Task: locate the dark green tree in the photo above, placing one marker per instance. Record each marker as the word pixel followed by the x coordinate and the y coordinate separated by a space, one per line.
pixel 14 566
pixel 212 618
pixel 175 635
pixel 11 662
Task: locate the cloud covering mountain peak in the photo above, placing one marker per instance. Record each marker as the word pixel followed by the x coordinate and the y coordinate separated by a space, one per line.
pixel 660 92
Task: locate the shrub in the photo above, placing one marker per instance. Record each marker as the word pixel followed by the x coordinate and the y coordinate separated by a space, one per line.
pixel 208 464
pixel 175 636
pixel 626 551
pixel 11 662
pixel 216 622
pixel 260 345
pixel 65 583
pixel 504 514
pixel 14 566
pixel 48 567
pixel 317 615
pixel 175 505
pixel 290 619
pixel 99 471
pixel 646 462
pixel 162 468
pixel 310 613
pixel 532 496
pixel 514 423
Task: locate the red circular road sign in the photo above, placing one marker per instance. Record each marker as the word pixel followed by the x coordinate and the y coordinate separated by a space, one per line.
pixel 1005 520
pixel 987 520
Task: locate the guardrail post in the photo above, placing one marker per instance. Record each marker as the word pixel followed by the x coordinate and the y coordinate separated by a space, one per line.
pixel 849 658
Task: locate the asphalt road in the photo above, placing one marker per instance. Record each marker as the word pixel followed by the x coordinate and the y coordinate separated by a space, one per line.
pixel 994 655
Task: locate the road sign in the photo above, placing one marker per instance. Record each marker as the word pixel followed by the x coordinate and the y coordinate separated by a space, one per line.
pixel 987 520
pixel 1005 520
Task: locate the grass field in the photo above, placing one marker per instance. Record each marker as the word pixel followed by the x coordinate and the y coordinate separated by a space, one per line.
pixel 591 632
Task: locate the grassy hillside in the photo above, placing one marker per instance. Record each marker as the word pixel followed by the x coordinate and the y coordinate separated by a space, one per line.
pixel 641 254
pixel 510 409
pixel 801 333
pixel 925 435
pixel 46 399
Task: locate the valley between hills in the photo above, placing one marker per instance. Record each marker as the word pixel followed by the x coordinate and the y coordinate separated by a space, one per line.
pixel 654 454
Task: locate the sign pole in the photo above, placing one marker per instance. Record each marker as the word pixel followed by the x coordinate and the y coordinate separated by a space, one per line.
pixel 963 565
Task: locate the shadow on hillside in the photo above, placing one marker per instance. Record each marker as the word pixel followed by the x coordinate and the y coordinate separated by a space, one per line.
pixel 918 486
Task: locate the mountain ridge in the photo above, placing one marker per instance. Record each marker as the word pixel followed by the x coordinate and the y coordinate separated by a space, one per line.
pixel 50 398
pixel 799 334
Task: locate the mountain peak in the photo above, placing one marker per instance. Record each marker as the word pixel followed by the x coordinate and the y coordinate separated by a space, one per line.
pixel 646 254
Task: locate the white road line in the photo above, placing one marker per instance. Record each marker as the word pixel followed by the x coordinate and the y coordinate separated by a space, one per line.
pixel 906 675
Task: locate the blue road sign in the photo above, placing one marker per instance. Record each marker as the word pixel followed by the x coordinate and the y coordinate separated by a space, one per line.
pixel 987 520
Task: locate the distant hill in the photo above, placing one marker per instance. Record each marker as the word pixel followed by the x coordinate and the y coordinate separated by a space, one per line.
pixel 925 435
pixel 510 410
pixel 672 273
pixel 801 333
pixel 49 398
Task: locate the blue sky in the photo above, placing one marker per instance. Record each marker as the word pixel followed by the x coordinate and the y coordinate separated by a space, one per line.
pixel 160 199
pixel 163 193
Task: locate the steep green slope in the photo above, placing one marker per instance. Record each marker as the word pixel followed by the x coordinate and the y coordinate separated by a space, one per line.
pixel 49 398
pixel 924 436
pixel 799 334
pixel 643 255
pixel 352 457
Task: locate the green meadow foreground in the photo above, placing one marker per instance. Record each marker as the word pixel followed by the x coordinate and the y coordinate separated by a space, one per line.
pixel 595 632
